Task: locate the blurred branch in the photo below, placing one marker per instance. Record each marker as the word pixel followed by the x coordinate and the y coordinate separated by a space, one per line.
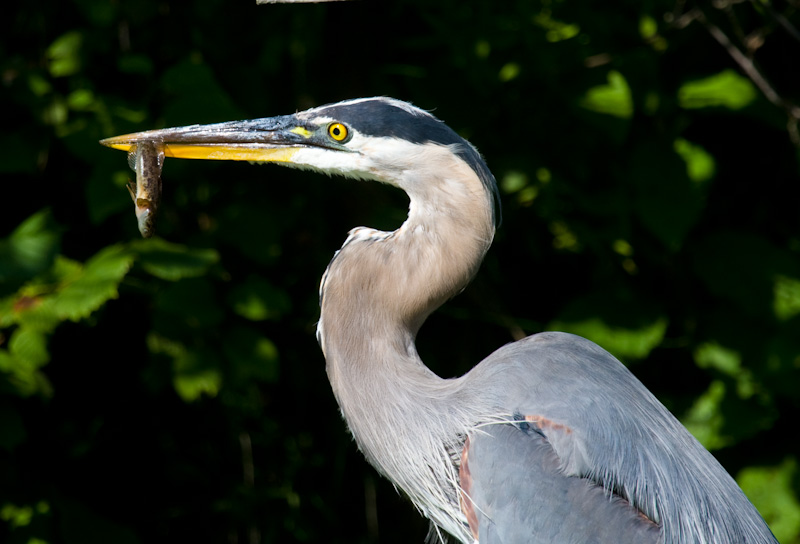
pixel 747 65
pixel 781 19
pixel 745 62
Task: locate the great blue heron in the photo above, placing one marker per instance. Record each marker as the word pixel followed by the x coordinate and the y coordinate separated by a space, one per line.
pixel 549 439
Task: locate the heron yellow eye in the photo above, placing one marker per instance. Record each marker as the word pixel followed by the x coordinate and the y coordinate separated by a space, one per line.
pixel 338 132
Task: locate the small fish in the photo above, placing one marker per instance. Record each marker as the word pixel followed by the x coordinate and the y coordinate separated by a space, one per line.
pixel 146 159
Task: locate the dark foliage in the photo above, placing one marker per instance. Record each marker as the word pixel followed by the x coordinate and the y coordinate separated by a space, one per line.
pixel 171 390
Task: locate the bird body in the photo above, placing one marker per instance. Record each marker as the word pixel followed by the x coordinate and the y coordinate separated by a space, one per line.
pixel 549 439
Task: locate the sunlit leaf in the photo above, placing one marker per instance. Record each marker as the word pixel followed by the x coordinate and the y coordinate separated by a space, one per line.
pixel 726 89
pixel 509 71
pixel 81 99
pixel 712 355
pixel 39 85
pixel 622 342
pixel 700 165
pixel 26 380
pixel 647 27
pixel 705 420
pixel 625 327
pixel 157 343
pixel 513 181
pixel 29 347
pixel 611 99
pixel 728 362
pixel 97 283
pixel 64 54
pixel 786 302
pixel 16 516
pixel 556 31
pixel 771 489
pixel 622 247
pixel 517 182
pixel 56 112
pixel 196 374
pixel 564 237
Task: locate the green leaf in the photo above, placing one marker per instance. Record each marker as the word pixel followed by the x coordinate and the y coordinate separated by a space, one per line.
pixel 196 373
pixel 509 72
pixel 29 347
pixel 726 89
pixel 25 379
pixel 648 27
pixel 728 362
pixel 786 301
pixel 700 165
pixel 173 261
pixel 16 516
pixel 27 352
pixel 612 99
pixel 627 327
pixel 97 283
pixel 64 54
pixel 634 343
pixel 81 100
pixel 705 420
pixel 556 31
pixel 29 250
pixel 771 489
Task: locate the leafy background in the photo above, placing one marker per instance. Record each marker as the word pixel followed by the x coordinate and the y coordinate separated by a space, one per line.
pixel 171 390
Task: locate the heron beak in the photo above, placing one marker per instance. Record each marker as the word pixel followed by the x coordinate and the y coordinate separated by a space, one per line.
pixel 274 139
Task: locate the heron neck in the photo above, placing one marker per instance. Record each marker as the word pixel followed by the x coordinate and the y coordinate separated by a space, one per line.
pixel 381 286
pixel 375 295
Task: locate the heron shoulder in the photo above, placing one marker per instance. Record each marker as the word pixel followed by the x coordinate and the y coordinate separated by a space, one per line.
pixel 605 426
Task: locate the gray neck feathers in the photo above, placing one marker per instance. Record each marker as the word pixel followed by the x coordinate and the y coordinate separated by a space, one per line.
pixel 375 295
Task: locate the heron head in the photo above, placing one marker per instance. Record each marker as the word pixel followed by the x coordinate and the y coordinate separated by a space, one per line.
pixel 378 138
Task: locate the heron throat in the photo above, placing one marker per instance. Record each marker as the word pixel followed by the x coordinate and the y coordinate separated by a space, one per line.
pixel 375 295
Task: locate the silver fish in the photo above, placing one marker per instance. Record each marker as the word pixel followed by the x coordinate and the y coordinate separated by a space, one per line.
pixel 146 159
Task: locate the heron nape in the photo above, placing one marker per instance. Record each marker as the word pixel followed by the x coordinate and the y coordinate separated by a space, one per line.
pixel 550 438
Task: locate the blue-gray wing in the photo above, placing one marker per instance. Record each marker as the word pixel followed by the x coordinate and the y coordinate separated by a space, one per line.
pixel 517 494
pixel 596 428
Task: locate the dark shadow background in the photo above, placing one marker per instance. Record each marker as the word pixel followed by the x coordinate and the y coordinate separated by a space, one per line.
pixel 171 390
